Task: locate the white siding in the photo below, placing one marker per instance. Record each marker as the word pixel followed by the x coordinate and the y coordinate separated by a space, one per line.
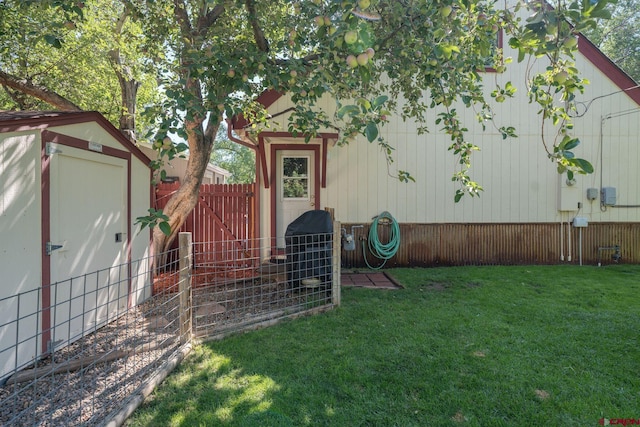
pixel 521 184
pixel 19 212
pixel 20 259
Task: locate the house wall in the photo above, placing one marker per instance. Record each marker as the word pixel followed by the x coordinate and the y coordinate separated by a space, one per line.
pixel 178 167
pixel 521 186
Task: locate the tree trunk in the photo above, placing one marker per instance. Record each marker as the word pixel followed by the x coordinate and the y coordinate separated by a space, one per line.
pixel 199 139
pixel 185 199
pixel 128 85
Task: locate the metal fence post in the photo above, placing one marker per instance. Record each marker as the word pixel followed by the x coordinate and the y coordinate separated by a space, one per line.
pixel 184 286
pixel 335 289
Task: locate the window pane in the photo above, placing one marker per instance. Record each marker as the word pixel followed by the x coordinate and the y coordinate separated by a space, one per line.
pixel 295 188
pixel 295 167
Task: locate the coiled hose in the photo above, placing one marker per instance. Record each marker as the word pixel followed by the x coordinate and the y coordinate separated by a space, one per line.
pixel 384 251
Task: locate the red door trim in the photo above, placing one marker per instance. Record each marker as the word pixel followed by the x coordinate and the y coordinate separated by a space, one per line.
pixel 316 177
pixel 69 141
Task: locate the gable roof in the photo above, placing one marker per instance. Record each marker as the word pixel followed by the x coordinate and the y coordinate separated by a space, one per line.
pixel 12 121
pixel 609 68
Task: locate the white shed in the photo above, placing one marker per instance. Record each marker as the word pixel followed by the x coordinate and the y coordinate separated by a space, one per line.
pixel 71 187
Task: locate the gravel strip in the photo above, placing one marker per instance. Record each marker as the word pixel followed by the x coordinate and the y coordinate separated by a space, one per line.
pixel 86 396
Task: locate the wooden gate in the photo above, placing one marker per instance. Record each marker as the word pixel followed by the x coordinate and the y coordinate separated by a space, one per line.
pixel 222 224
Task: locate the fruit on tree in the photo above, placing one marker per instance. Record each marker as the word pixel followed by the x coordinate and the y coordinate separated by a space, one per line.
pixel 445 11
pixel 352 61
pixel 560 77
pixel 351 37
pixel 570 42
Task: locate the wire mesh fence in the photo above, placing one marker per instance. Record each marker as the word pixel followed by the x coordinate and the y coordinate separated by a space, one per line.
pixel 74 357
pixel 79 352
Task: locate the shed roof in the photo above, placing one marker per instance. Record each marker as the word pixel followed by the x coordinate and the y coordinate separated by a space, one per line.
pixel 12 121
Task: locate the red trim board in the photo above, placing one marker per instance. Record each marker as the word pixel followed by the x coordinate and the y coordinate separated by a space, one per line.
pixel 46 137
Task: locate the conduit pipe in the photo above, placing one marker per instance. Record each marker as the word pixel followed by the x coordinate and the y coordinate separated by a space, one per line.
pixel 568 239
pixel 603 119
pixel 561 237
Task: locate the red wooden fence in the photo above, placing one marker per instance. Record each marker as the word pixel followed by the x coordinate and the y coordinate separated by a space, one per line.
pixel 222 223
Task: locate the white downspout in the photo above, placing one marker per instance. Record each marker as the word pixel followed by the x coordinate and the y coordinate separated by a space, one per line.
pixel 561 237
pixel 568 239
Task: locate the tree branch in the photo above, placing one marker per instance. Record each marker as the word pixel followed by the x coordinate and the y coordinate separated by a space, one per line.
pixel 128 85
pixel 258 34
pixel 37 91
pixel 182 17
pixel 212 128
pixel 205 21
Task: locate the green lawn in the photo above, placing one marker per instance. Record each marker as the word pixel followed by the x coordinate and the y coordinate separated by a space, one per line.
pixel 472 346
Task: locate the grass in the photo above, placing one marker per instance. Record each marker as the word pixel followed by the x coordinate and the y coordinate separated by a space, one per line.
pixel 472 346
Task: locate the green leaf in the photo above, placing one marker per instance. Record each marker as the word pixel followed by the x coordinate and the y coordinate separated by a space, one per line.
pixel 371 131
pixel 364 103
pixel 379 101
pixel 347 109
pixel 165 228
pixel 53 41
pixel 584 165
pixel 571 144
pixel 602 14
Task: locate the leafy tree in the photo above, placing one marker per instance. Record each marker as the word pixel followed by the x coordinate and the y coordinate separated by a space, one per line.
pixel 619 37
pixel 80 57
pixel 213 57
pixel 236 158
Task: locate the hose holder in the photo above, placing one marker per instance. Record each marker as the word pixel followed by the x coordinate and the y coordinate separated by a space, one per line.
pixel 381 250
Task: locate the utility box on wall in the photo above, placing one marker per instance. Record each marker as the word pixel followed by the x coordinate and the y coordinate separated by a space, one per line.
pixel 592 193
pixel 608 196
pixel 569 194
pixel 580 222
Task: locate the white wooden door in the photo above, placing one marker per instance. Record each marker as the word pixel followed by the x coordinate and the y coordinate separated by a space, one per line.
pixel 295 178
pixel 88 217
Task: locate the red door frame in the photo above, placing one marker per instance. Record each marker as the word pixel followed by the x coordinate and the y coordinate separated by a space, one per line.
pixel 69 141
pixel 273 187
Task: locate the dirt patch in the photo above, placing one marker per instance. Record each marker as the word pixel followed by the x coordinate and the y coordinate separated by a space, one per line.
pixel 436 286
pixel 203 276
pixel 479 354
pixel 542 394
pixel 459 417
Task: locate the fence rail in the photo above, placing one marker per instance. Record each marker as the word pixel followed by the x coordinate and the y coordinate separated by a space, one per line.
pixel 111 349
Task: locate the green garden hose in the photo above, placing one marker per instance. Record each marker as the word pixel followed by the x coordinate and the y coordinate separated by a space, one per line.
pixel 381 250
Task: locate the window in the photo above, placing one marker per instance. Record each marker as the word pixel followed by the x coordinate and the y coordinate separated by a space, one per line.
pixel 295 177
pixel 497 44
